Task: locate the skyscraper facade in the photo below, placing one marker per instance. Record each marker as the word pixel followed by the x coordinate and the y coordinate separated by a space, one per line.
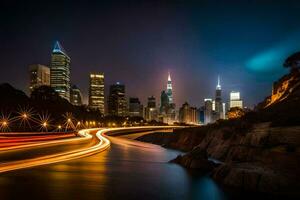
pixel 184 113
pixel 235 100
pixel 96 92
pixel 188 114
pixel 75 96
pixel 151 109
pixel 117 104
pixel 164 102
pixel 39 75
pixel 170 89
pixel 60 71
pixel 218 100
pixel 167 106
pixel 151 102
pixel 135 107
pixel 208 112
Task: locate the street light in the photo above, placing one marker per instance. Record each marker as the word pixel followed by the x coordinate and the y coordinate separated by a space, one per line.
pixel 44 124
pixel 5 123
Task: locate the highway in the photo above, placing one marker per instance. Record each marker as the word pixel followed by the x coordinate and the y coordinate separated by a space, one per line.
pixel 38 153
pixel 125 169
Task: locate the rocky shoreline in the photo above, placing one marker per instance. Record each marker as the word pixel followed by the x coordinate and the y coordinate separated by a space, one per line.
pixel 262 159
pixel 258 151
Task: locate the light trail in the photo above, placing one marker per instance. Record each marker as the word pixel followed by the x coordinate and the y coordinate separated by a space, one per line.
pixel 59 157
pixel 102 145
pixel 9 140
pixel 53 142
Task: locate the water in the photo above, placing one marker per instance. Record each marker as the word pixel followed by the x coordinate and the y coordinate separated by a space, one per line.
pixel 128 170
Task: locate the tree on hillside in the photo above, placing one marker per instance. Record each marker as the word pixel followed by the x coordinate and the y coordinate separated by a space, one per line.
pixel 235 112
pixel 293 62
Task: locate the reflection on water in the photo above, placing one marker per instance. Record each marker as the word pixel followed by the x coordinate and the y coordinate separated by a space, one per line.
pixel 128 170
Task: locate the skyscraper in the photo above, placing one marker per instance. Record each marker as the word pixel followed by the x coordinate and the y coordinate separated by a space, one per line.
pixel 151 102
pixel 117 104
pixel 75 96
pixel 60 71
pixel 235 100
pixel 39 75
pixel 135 107
pixel 218 100
pixel 164 102
pixel 169 89
pixel 184 113
pixel 208 112
pixel 223 114
pixel 188 114
pixel 96 92
pixel 151 110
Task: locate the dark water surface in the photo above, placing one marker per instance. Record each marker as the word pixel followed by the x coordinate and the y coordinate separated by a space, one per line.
pixel 128 170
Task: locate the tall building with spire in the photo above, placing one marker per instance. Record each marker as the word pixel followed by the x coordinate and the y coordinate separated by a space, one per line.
pixel 218 100
pixel 60 71
pixel 167 107
pixel 169 89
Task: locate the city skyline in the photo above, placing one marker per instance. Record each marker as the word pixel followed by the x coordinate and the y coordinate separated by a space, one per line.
pixel 150 99
pixel 138 43
pixel 58 49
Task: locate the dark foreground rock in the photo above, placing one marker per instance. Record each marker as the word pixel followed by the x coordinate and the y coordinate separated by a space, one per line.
pixel 262 159
pixel 196 159
pixel 258 152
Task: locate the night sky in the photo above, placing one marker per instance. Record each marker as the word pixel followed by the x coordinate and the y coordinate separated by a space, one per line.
pixel 138 42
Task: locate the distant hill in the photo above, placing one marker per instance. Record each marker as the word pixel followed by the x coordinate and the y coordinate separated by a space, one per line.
pixel 11 97
pixel 45 100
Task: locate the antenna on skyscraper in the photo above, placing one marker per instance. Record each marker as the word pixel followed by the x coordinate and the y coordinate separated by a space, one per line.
pixel 219 83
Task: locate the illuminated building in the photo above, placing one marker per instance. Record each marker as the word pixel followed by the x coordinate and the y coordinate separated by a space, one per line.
pixel 117 105
pixel 184 113
pixel 75 96
pixel 60 71
pixel 169 89
pixel 208 111
pixel 151 110
pixel 39 75
pixel 235 100
pixel 194 115
pixel 135 107
pixel 167 107
pixel 188 115
pixel 223 113
pixel 96 92
pixel 218 101
pixel 164 102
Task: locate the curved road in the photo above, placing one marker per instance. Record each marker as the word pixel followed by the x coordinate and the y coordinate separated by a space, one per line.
pixel 101 144
pixel 128 170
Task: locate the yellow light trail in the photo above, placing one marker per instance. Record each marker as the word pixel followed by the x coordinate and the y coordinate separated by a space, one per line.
pixel 102 145
pixel 56 142
pixel 59 157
